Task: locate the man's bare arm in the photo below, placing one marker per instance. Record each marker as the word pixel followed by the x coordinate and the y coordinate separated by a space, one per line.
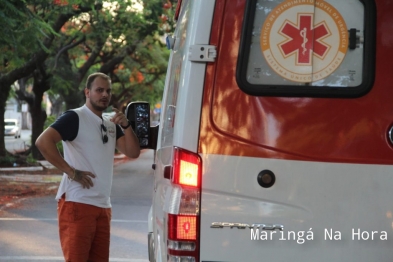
pixel 46 143
pixel 129 143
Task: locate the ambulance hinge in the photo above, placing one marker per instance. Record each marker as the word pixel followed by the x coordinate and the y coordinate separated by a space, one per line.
pixel 202 53
pixel 355 38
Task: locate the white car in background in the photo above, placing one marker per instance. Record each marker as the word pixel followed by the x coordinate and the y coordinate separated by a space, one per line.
pixel 11 127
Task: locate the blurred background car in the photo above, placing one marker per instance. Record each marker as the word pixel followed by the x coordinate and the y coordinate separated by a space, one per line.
pixel 12 128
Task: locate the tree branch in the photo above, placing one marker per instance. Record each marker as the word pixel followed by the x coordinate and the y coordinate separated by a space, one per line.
pixel 111 64
pixel 67 47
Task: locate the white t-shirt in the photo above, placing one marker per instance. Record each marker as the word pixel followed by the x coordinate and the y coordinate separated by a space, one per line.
pixel 87 152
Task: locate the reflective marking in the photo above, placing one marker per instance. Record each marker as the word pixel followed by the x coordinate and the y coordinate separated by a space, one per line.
pixel 55 219
pixel 26 219
pixel 128 221
pixel 38 258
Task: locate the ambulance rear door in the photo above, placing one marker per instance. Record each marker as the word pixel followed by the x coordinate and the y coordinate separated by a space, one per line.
pixel 296 132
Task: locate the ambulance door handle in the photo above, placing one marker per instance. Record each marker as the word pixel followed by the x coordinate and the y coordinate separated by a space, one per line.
pixel 167 172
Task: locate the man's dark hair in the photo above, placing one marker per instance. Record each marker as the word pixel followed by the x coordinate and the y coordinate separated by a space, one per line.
pixel 90 79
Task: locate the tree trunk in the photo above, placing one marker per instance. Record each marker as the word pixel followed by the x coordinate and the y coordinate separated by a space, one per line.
pixel 38 116
pixel 74 100
pixel 4 91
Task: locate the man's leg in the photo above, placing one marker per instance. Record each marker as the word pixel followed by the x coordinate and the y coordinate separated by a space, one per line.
pixel 77 224
pixel 99 251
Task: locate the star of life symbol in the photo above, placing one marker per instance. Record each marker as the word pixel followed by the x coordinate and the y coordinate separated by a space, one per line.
pixel 304 40
pixel 300 39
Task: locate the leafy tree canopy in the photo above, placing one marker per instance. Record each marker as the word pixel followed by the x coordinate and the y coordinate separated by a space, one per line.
pixel 54 45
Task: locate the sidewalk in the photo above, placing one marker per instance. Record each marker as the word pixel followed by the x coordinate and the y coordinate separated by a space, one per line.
pixel 17 183
pixel 45 173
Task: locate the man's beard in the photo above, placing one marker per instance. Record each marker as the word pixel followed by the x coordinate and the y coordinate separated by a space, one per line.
pixel 97 106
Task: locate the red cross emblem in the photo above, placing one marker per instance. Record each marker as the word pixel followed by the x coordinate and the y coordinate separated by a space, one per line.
pixel 304 39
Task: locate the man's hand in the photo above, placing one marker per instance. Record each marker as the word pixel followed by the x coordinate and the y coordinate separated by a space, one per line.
pixel 129 143
pixel 83 177
pixel 119 118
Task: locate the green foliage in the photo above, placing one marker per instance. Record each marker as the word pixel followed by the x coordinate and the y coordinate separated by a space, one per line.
pixel 50 120
pixel 7 160
pixel 30 159
pixel 11 93
pixel 142 74
pixel 128 33
pixel 109 36
pixel 27 24
pixel 21 33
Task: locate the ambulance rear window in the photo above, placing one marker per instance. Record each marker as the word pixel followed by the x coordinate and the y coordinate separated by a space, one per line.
pixel 307 48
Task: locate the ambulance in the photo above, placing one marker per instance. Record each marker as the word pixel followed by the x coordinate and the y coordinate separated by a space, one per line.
pixel 275 140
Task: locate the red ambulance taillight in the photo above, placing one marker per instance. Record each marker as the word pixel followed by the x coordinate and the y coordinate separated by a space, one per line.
pixel 177 11
pixel 186 168
pixel 183 207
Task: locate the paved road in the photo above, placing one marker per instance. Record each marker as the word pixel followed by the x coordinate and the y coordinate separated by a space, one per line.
pixel 29 233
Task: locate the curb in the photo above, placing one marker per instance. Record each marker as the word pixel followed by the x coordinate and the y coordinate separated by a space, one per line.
pixel 31 178
pixel 29 168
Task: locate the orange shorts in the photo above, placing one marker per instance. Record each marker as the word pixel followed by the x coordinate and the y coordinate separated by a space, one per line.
pixel 84 231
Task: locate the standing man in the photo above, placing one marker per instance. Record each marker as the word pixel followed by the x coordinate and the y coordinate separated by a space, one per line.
pixel 89 142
